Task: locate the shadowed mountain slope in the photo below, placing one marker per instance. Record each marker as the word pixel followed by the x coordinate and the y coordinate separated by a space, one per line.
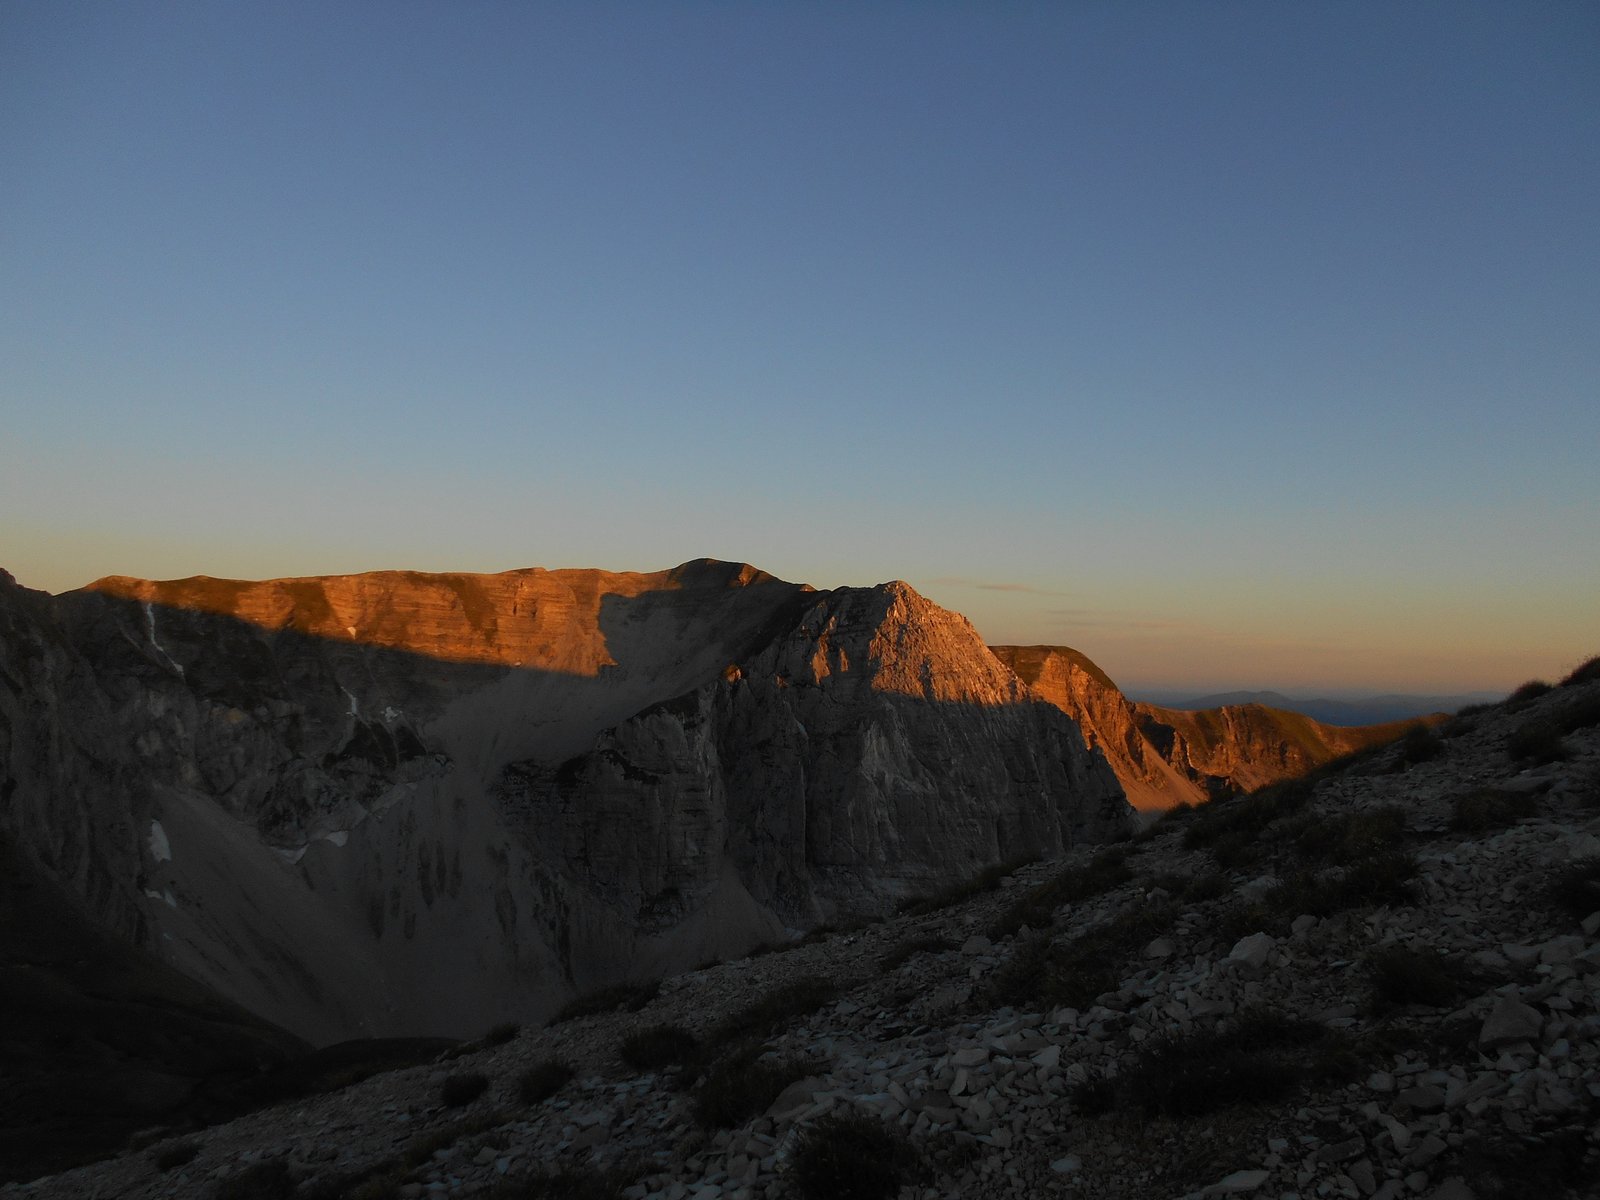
pixel 1165 757
pixel 400 804
pixel 1378 980
pixel 100 1038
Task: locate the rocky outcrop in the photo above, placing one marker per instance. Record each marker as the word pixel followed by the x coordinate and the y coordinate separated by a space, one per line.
pixel 873 751
pixel 1164 756
pixel 405 804
pixel 1440 1040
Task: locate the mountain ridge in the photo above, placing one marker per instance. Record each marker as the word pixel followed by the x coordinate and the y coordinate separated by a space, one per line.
pixel 1364 710
pixel 1166 757
pixel 226 774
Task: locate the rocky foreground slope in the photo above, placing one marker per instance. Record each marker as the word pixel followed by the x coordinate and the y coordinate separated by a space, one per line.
pixel 1168 756
pixel 1382 981
pixel 397 804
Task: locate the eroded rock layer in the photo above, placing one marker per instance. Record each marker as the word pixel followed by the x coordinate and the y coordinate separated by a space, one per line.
pixel 411 804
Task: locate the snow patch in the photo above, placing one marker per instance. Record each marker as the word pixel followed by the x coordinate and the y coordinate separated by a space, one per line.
pixel 168 898
pixel 355 709
pixel 293 854
pixel 160 847
pixel 150 621
pixel 390 713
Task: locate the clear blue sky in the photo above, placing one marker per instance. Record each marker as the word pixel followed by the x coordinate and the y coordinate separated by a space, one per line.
pixel 1235 344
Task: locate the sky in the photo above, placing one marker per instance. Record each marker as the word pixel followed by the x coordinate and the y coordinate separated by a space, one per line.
pixel 1233 344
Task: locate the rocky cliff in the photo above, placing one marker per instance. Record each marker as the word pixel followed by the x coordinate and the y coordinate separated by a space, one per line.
pixel 401 803
pixel 1165 756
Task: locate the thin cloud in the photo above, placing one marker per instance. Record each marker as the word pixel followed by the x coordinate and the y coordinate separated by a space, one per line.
pixel 1025 589
pixel 1089 618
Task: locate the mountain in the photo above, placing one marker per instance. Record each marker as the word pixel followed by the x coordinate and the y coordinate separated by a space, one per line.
pixel 1369 710
pixel 88 1015
pixel 1165 757
pixel 1378 981
pixel 397 804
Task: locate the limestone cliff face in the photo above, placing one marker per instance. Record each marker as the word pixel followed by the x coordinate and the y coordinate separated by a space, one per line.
pixel 399 803
pixel 873 751
pixel 1164 756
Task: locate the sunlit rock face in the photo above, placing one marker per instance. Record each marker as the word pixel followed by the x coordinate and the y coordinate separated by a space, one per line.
pixel 1166 756
pixel 402 803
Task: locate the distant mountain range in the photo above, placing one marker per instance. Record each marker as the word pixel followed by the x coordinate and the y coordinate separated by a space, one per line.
pixel 1369 710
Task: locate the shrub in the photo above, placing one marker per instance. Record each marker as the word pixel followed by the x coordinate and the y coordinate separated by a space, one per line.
pixel 1543 1166
pixel 828 929
pixel 1536 743
pixel 906 951
pixel 1588 672
pixel 986 880
pixel 1237 823
pixel 1164 822
pixel 624 997
pixel 424 1146
pixel 1383 879
pixel 176 1154
pixel 501 1034
pixel 1576 889
pixel 1189 1076
pixel 742 1086
pixel 567 1183
pixel 1037 907
pixel 460 1090
pixel 1213 885
pixel 1462 721
pixel 658 1047
pixel 1246 916
pixel 258 1181
pixel 1076 973
pixel 1261 1056
pixel 383 1180
pixel 777 1009
pixel 1401 976
pixel 853 1158
pixel 1193 888
pixel 538 1083
pixel 1097 1094
pixel 1527 693
pixel 1578 714
pixel 1351 837
pixel 1238 850
pixel 1419 744
pixel 1483 809
pixel 1023 978
pixel 1588 791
